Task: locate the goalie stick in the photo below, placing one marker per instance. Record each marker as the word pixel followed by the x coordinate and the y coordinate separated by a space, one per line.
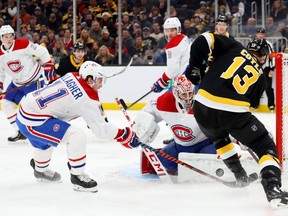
pixel 252 177
pixel 152 157
pixel 128 107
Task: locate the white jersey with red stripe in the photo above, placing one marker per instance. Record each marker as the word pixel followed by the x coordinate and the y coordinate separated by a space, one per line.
pixel 18 61
pixel 66 98
pixel 184 127
pixel 178 53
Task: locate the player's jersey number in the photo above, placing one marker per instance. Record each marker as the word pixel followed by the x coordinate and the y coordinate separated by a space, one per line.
pixel 241 85
pixel 43 101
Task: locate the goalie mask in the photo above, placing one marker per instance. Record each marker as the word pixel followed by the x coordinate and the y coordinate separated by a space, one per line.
pixel 93 70
pixel 183 91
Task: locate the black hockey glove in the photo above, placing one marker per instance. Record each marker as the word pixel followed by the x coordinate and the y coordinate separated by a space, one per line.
pixel 193 74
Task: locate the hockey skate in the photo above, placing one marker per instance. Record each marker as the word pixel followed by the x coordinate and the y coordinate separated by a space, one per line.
pixel 47 176
pixel 83 182
pixel 276 197
pixel 17 138
pixel 242 179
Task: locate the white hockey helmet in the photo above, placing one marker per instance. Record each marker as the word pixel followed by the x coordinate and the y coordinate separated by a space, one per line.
pixel 183 91
pixel 92 69
pixel 6 29
pixel 172 22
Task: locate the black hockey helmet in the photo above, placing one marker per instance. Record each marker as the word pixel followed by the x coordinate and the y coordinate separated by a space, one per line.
pixel 79 45
pixel 222 18
pixel 259 46
pixel 260 30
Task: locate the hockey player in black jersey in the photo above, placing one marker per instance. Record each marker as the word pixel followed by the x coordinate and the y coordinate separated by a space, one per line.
pixel 73 62
pixel 233 83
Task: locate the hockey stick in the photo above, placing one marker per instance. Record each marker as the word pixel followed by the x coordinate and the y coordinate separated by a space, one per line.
pixel 252 177
pixel 120 72
pixel 128 107
pixel 19 87
pixel 152 157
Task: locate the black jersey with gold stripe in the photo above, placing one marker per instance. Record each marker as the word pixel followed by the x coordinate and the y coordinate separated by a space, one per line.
pixel 234 81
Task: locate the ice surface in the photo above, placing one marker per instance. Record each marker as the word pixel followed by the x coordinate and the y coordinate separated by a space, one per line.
pixel 123 191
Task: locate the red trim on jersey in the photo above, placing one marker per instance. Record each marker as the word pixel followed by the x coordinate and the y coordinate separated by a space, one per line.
pixel 21 43
pixel 175 41
pixel 167 102
pixel 90 92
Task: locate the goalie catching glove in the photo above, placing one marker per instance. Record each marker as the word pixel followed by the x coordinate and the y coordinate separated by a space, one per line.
pixel 127 138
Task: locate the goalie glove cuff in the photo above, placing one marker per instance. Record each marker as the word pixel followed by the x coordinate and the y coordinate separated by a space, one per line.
pixel 127 138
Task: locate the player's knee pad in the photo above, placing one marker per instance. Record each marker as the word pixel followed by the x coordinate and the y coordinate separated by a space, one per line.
pixel 76 141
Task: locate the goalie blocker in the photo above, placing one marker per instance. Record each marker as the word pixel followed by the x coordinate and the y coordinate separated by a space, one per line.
pixel 209 163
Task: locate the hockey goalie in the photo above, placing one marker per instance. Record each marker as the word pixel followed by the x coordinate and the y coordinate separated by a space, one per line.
pixel 189 144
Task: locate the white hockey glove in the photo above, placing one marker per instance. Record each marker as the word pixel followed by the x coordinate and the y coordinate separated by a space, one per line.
pixel 145 127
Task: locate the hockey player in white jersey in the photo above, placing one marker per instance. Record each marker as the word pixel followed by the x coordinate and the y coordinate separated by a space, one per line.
pixel 177 52
pixel 175 109
pixel 17 60
pixel 43 118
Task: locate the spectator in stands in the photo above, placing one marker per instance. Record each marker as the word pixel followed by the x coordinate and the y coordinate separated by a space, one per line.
pixel 46 7
pixel 105 39
pixel 36 37
pixel 58 51
pixel 30 7
pixel 126 21
pixel 93 52
pixel 96 31
pixel 114 50
pixel 61 7
pixel 94 7
pixel 1 22
pixel 104 57
pixel 268 69
pixel 250 27
pixel 159 57
pixel 33 25
pixel 143 20
pixel 270 27
pixel 147 4
pixel 157 33
pixel 24 33
pixel 11 9
pixel 88 21
pixel 235 9
pixel 149 41
pixel 43 30
pixel 52 23
pixel 190 32
pixel 127 40
pixel 109 6
pixel 136 28
pixel 126 6
pixel 58 14
pixel 51 38
pixel 162 5
pixel 67 40
pixel 107 21
pixel 138 51
pixel 278 11
pixel 85 38
pixel 196 22
pixel 39 17
pixel 155 16
pixel 173 13
pixel 24 17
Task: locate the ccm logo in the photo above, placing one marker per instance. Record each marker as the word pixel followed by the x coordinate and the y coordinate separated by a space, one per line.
pixel 154 161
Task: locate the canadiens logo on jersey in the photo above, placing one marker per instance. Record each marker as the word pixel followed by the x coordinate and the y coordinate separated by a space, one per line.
pixel 182 133
pixel 15 66
pixel 56 127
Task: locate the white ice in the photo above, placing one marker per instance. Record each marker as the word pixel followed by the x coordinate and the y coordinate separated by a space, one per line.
pixel 123 191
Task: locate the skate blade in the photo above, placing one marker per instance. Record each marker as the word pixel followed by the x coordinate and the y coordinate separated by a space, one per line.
pixel 82 189
pixel 18 142
pixel 276 203
pixel 41 180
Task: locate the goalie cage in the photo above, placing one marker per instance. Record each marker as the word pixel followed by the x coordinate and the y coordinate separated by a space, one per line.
pixel 282 111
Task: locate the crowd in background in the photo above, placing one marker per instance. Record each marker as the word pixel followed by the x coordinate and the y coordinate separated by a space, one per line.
pixel 50 23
